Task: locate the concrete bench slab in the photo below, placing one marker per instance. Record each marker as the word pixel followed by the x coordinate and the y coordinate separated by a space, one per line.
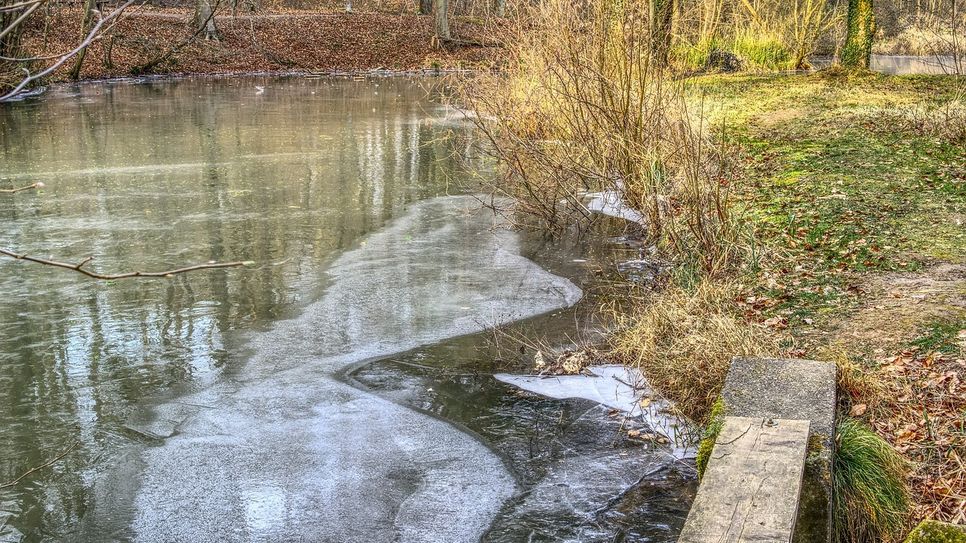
pixel 751 488
pixel 793 389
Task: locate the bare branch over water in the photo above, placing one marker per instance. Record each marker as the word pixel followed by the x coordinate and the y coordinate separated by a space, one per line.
pixel 79 267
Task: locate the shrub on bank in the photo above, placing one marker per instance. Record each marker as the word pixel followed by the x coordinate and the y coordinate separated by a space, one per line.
pixel 583 105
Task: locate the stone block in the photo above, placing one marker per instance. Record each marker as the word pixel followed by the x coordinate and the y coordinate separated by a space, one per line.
pixel 750 490
pixel 793 389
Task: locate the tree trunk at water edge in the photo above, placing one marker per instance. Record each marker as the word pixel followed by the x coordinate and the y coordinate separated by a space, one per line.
pixel 205 19
pixel 860 31
pixel 86 24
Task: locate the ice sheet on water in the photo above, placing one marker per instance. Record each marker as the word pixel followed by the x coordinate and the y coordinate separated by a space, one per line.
pixel 611 203
pixel 617 387
pixel 284 451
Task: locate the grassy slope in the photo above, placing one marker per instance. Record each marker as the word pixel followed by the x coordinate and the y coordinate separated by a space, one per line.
pixel 857 198
pixel 839 185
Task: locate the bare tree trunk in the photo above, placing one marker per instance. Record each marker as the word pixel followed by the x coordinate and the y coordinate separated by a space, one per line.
pixel 661 28
pixel 11 29
pixel 205 18
pixel 441 7
pixel 499 8
pixel 425 7
pixel 857 51
pixel 89 6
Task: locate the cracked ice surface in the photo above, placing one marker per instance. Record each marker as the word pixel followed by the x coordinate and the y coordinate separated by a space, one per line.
pixel 284 451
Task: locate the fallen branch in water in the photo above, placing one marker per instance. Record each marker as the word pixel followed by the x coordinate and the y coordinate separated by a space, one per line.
pixel 79 267
pixel 21 189
pixel 30 471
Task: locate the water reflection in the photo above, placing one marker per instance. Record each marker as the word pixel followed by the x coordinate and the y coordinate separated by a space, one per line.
pixel 160 174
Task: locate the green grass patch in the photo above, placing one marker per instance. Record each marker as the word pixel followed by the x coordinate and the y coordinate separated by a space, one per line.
pixel 870 499
pixel 941 336
pixel 834 186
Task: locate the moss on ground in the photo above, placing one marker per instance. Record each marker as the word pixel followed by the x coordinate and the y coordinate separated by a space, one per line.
pixel 931 531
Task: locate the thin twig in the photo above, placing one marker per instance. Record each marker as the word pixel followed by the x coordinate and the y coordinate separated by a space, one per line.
pixel 49 463
pixel 21 189
pixel 19 5
pixel 79 267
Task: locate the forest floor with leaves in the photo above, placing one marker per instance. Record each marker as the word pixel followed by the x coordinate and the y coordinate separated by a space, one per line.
pixel 855 187
pixel 159 41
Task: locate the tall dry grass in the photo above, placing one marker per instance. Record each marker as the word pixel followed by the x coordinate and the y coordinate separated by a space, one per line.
pixel 684 338
pixel 763 34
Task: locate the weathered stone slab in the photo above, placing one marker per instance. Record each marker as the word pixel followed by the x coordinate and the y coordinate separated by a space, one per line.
pixel 750 490
pixel 793 389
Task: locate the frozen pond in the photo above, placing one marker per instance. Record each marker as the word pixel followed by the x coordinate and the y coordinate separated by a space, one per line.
pixel 300 398
pixel 904 64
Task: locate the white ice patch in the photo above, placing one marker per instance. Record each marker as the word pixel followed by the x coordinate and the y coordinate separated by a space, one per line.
pixel 611 203
pixel 617 387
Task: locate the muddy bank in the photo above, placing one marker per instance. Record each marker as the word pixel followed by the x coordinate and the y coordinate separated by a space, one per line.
pixel 303 41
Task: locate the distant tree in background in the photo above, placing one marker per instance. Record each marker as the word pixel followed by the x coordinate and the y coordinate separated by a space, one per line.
pixel 441 20
pixel 860 31
pixel 205 19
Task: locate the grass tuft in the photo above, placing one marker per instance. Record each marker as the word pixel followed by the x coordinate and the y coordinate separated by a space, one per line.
pixel 762 51
pixel 870 498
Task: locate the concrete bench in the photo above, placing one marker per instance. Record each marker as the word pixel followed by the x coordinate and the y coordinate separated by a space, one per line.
pixel 799 397
pixel 752 484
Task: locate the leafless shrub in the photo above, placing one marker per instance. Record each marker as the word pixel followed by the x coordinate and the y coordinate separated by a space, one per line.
pixel 583 106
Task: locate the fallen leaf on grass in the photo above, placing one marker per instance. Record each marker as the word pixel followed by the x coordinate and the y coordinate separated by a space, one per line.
pixel 779 323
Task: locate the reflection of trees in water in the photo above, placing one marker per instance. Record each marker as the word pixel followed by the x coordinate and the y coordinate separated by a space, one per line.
pixel 160 174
